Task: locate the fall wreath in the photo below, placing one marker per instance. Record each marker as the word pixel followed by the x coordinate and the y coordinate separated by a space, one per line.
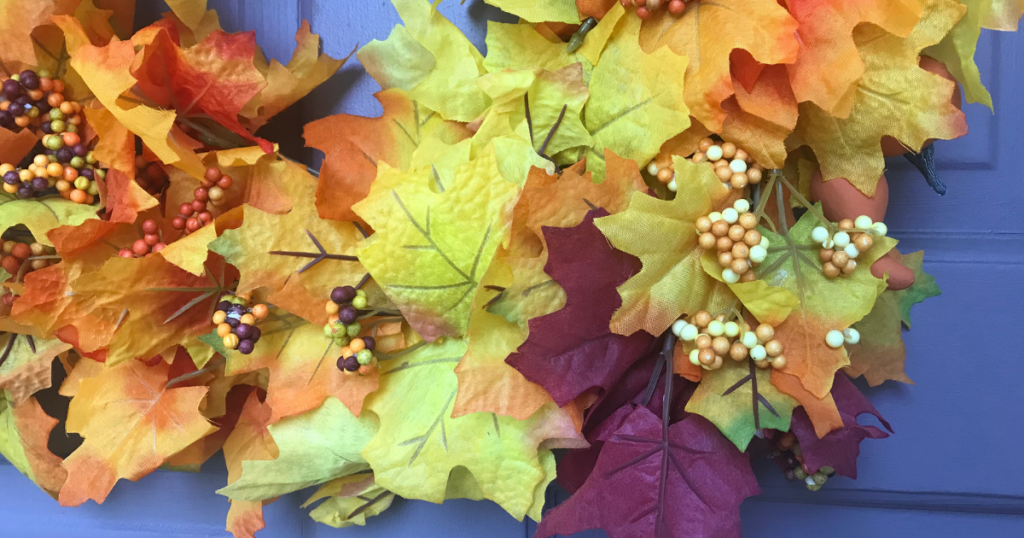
pixel 636 248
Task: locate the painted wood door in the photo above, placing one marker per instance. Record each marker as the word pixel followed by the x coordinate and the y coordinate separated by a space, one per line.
pixel 953 467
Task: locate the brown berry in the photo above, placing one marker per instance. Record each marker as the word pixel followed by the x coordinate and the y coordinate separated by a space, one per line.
pixel 752 238
pixel 754 176
pixel 846 224
pixel 749 276
pixel 863 242
pixel 764 332
pixel 702 318
pixel 720 228
pixel 724 173
pixel 151 239
pixel 739 180
pixel 725 259
pixel 736 232
pixel 224 182
pixel 850 267
pixel 185 209
pixel 718 363
pixel 707 240
pixel 192 224
pixel 706 356
pixel 703 224
pixel 740 267
pixel 740 251
pixel 198 206
pixel 178 223
pixel 830 271
pixel 699 158
pixel 762 364
pixel 748 221
pixel 728 150
pixel 825 255
pixel 774 348
pixel 778 362
pixel 721 345
pixel 741 155
pixel 703 341
pixel 705 143
pixel 212 173
pixel 738 351
pixel 724 244
pixel 839 258
pixel 201 194
pixel 149 226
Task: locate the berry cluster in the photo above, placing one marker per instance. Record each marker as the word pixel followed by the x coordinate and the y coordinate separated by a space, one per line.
pixel 836 339
pixel 149 243
pixel 16 257
pixel 150 176
pixel 839 250
pixel 236 323
pixel 715 337
pixel 66 164
pixel 194 215
pixel 645 8
pixel 733 232
pixel 787 452
pixel 733 165
pixel 31 99
pixel 357 357
pixel 343 312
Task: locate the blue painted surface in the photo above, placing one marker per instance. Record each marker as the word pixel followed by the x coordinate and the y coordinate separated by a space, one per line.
pixel 959 431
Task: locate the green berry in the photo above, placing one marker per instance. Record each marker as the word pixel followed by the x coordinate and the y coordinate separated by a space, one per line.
pixel 53 142
pixel 72 128
pixel 827 470
pixel 360 293
pixel 16 77
pixel 56 114
pixel 33 112
pixel 52 158
pixel 813 487
pixel 342 339
pixel 58 126
pixel 93 189
pixel 799 473
pixel 101 173
pixel 359 302
pixel 44 73
pixel 328 331
pixel 354 329
pixel 819 478
pixel 364 356
pixel 77 162
pixel 82 182
pixel 90 158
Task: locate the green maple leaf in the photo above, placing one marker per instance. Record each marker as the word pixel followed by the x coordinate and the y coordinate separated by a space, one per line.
pixel 41 215
pixel 432 248
pixel 314 447
pixel 541 10
pixel 740 399
pixel 880 354
pixel 350 500
pixel 421 452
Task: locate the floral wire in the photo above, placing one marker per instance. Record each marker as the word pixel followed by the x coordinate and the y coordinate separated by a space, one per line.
pixel 210 366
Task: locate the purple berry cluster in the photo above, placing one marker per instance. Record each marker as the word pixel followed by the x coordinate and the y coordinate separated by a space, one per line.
pixel 236 323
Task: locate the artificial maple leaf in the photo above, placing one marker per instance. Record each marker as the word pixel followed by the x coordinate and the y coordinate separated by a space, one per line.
pixel 521 46
pixel 572 350
pixel 540 10
pixel 131 424
pixel 286 84
pixel 106 72
pixel 450 86
pixel 661 234
pixel 827 35
pixel 249 440
pixel 486 383
pixel 190 12
pixel 824 304
pixel 550 102
pixel 317 446
pixel 21 18
pixel 769 304
pixel 432 249
pixel 740 399
pixel 350 500
pixel 636 99
pixel 153 304
pixel 840 448
pixel 762 117
pixel 272 250
pixel 761 27
pixel 594 8
pixel 894 97
pixel 880 354
pixel 301 366
pixel 353 146
pixel 215 77
pixel 25 363
pixel 822 412
pixel 653 467
pixel 122 197
pixel 419 444
pixel 24 433
pixel 14 146
pixel 40 215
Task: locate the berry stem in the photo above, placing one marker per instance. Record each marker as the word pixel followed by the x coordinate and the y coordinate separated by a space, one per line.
pixel 210 366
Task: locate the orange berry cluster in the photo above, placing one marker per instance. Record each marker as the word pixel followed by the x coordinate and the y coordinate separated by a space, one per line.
pixel 194 215
pixel 357 357
pixel 733 233
pixel 66 164
pixel 840 250
pixel 733 165
pixel 149 243
pixel 645 8
pixel 36 100
pixel 236 323
pixel 714 338
pixel 791 457
pixel 150 176
pixel 17 257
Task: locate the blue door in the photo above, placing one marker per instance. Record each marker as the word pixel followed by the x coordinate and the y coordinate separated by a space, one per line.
pixel 954 467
